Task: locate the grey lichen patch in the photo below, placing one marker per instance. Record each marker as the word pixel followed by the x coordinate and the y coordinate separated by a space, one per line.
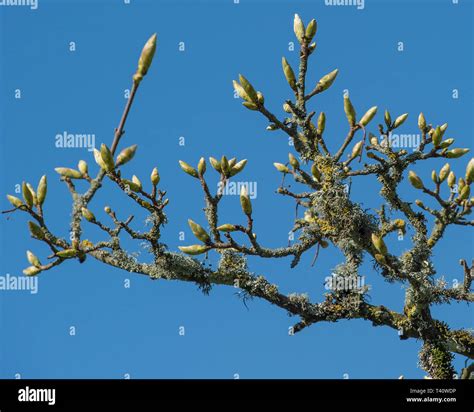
pixel 436 360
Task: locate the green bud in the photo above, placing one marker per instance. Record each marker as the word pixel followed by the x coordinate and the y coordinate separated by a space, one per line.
pixel 137 182
pixel 245 201
pixel 451 179
pixel 240 91
pixel 315 172
pixel 126 155
pixel 87 214
pixel 107 157
pixel 368 116
pixel 444 172
pixel 379 244
pixel 249 90
pixel 31 271
pixel 194 249
pixel 298 28
pixel 281 167
pixel 373 140
pixel 98 159
pixel 146 57
pixel 33 193
pixel 415 181
pixel 349 110
pixel 357 149
pixel 199 231
pixel 387 118
pixel 232 162
pixel 446 143
pixel 33 259
pixel 188 169
pixel 287 108
pixel 312 47
pixel 419 203
pixel 311 30
pixel 443 128
pixel 326 81
pixel 155 177
pixel 421 122
pixel 69 173
pixel 14 201
pixel 461 184
pixel 225 166
pixel 293 161
pixel 226 228
pixel 455 153
pixel 321 123
pixel 250 106
pixel 400 120
pixel 271 127
pixel 238 167
pixel 465 192
pixel 215 164
pixel 27 195
pixel 67 253
pixel 470 172
pixel 436 137
pixel 289 73
pixel 82 166
pixel 107 209
pixel 130 185
pixel 434 177
pixel 35 231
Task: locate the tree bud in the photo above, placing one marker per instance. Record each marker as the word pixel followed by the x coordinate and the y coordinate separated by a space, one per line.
pixel 14 201
pixel 326 81
pixel 349 110
pixel 421 122
pixel 155 177
pixel 251 93
pixel 470 172
pixel 227 228
pixel 199 231
pixel 27 195
pixel 379 244
pixel 451 179
pixel 194 249
pixel 245 201
pixel 146 57
pixel 311 30
pixel 321 123
pixel 107 157
pixel 67 253
pixel 215 164
pixel 289 73
pixel 126 155
pixel 368 116
pixel 98 159
pixel 387 118
pixel 33 259
pixel 415 181
pixel 436 137
pixel 137 182
pixel 35 231
pixel 444 172
pixel 238 167
pixel 455 153
pixel 87 214
pixel 31 271
pixel 281 167
pixel 69 173
pixel 400 120
pixel 298 28
pixel 188 169
pixel 293 161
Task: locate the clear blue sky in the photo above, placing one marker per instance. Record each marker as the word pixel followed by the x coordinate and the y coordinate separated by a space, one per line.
pixel 135 331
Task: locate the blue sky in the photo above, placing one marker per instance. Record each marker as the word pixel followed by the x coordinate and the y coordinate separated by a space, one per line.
pixel 135 331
